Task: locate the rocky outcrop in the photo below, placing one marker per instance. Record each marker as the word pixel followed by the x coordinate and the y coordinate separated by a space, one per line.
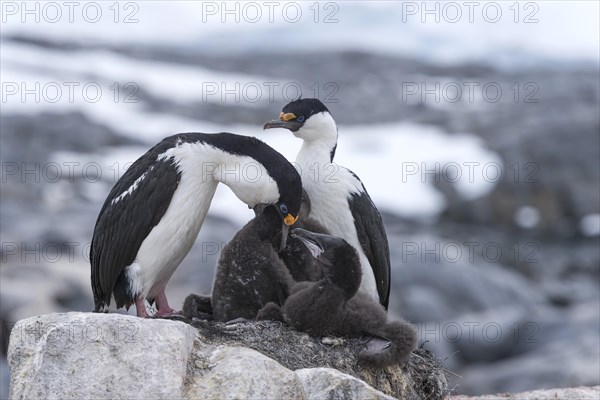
pixel 102 356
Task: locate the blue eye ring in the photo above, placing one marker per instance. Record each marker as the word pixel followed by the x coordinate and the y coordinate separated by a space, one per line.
pixel 283 208
pixel 300 119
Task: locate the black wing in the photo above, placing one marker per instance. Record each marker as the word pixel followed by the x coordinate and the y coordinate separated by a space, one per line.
pixel 123 225
pixel 373 240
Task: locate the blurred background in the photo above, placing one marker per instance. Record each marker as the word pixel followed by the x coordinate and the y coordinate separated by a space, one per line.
pixel 473 125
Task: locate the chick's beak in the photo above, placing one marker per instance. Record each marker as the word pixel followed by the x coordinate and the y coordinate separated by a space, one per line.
pixel 310 240
pixel 284 235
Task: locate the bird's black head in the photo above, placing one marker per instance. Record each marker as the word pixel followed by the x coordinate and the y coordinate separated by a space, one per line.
pixel 289 184
pixel 339 259
pixel 268 220
pixel 309 120
pixel 296 114
pixel 267 223
pixel 281 185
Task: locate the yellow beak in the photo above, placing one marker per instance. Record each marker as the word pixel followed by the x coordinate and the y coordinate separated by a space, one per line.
pixel 290 219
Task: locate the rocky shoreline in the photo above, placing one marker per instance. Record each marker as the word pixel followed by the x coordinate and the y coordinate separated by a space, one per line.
pixel 68 355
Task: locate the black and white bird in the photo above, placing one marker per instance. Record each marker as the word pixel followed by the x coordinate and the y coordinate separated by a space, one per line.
pixel 339 200
pixel 153 214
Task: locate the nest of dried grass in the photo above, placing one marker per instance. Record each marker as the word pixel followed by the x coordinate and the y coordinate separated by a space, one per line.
pixel 422 377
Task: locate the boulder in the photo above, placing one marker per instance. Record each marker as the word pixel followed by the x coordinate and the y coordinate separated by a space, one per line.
pixel 552 348
pixel 105 356
pixel 329 383
pixel 80 355
pixel 225 372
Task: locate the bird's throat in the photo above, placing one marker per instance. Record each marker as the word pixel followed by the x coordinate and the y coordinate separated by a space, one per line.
pixel 316 151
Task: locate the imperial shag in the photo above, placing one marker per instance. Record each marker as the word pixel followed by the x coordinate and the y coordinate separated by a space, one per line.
pixel 339 200
pixel 153 214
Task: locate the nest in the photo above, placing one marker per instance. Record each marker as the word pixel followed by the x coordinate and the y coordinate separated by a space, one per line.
pixel 421 377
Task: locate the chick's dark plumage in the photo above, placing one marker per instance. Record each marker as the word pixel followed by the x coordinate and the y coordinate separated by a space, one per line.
pixel 252 272
pixel 333 306
pixel 249 273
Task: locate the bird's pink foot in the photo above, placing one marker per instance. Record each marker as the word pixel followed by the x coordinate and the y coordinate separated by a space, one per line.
pixel 162 306
pixel 140 307
pixel 168 313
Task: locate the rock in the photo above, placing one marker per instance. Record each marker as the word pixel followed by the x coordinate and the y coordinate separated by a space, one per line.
pixel 442 279
pixel 84 355
pixel 225 372
pixel 57 287
pixel 235 370
pixel 524 348
pixel 4 378
pixel 423 375
pixel 490 336
pixel 33 139
pixel 79 355
pixel 553 365
pixel 578 393
pixel 328 383
pixel 573 361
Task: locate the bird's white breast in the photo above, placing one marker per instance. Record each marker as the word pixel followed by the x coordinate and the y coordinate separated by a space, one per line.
pixel 201 167
pixel 329 187
pixel 172 238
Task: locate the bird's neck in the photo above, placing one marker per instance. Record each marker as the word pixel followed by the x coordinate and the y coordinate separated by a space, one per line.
pixel 319 137
pixel 246 177
pixel 346 271
pixel 316 151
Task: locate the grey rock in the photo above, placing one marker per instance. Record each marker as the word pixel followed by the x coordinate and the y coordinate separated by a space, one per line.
pixel 4 379
pixel 441 285
pixel 328 383
pixel 102 356
pixel 80 355
pixel 565 353
pixel 32 140
pixel 226 372
pixel 490 336
pixel 35 288
pixel 421 377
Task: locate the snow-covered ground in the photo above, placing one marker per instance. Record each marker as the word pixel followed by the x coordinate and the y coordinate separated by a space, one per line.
pixel 395 161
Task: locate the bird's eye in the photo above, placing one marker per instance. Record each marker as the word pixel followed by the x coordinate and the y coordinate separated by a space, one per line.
pixel 300 119
pixel 283 208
